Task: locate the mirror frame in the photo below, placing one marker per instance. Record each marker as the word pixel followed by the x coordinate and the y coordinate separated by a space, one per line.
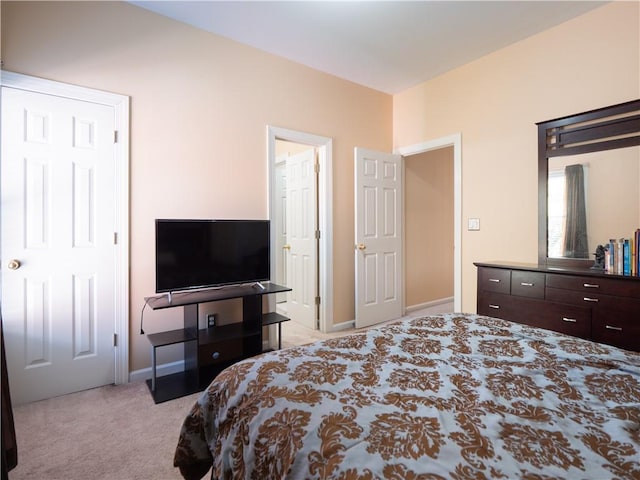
pixel 608 128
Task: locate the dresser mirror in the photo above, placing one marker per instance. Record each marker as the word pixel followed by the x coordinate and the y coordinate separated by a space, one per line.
pixel 588 182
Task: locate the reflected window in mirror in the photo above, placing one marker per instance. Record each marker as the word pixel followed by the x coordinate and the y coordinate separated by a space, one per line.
pixel 567 206
pixel 557 211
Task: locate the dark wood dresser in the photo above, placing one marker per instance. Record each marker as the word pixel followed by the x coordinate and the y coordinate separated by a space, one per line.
pixel 581 302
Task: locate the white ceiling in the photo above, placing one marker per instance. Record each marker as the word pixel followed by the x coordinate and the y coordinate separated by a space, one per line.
pixel 386 45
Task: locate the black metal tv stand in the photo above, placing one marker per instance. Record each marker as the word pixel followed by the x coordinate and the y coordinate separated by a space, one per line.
pixel 208 351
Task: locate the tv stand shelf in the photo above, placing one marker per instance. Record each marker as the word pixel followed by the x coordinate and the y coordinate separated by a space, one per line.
pixel 208 351
pixel 171 337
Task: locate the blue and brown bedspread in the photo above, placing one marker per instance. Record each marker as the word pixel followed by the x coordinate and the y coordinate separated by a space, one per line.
pixel 453 396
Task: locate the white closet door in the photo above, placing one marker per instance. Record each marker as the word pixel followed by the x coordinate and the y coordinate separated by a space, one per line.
pixel 58 218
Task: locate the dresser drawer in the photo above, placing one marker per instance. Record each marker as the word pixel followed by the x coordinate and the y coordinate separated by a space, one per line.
pixel 496 280
pixel 623 333
pixel 496 305
pixel 509 307
pixel 606 286
pixel 574 297
pixel 616 321
pixel 527 284
pixel 570 319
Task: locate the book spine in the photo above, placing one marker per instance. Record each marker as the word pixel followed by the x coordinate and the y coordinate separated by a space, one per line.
pixel 632 256
pixel 637 238
pixel 612 255
pixel 619 257
pixel 626 257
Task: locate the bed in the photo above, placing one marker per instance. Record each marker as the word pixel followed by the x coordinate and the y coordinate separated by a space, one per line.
pixel 452 396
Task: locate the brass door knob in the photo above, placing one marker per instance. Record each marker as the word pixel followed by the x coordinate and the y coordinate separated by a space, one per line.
pixel 13 264
pixel 287 247
pixel 361 246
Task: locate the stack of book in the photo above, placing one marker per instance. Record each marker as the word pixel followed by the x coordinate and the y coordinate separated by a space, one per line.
pixel 621 255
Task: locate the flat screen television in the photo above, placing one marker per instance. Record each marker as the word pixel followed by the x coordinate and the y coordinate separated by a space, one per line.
pixel 196 254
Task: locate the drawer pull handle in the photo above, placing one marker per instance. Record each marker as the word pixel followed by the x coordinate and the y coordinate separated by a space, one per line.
pixel 494 280
pixel 570 320
pixel 611 327
pixel 587 299
pixel 494 306
pixel 526 284
pixel 591 285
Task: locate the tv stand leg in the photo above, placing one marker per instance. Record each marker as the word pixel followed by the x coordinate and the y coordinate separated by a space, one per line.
pixel 153 368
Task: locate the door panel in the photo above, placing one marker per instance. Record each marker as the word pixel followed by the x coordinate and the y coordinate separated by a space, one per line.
pixel 301 240
pixel 35 296
pixel 390 273
pixel 378 237
pixel 58 219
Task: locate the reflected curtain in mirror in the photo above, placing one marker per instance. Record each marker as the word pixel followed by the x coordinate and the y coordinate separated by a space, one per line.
pixel 575 237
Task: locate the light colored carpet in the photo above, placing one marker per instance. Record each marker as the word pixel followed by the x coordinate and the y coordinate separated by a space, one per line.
pixel 114 432
pixel 109 433
pixel 294 333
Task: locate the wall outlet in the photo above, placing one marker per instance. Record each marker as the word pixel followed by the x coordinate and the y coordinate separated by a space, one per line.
pixel 211 320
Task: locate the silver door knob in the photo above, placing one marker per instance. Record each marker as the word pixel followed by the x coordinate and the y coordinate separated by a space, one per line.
pixel 13 264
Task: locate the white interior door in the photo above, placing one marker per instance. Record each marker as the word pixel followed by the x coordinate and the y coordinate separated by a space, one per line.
pixel 301 214
pixel 281 227
pixel 378 219
pixel 58 222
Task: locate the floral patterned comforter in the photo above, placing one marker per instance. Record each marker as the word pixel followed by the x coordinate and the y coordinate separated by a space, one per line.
pixel 439 397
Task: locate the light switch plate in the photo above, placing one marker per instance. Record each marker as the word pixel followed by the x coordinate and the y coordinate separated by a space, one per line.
pixel 473 224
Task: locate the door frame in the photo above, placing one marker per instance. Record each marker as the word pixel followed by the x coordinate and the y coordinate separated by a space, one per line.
pixel 120 105
pixel 325 209
pixel 455 141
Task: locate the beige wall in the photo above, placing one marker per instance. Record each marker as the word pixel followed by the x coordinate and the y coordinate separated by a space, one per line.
pixel 200 105
pixel 428 228
pixel 586 63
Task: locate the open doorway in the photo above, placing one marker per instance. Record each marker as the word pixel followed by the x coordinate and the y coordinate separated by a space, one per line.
pixel 429 230
pixel 287 147
pixel 454 155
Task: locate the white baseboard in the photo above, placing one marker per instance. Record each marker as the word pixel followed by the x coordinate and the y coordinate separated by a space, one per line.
pixel 433 303
pixel 161 370
pixel 342 326
pixel 413 308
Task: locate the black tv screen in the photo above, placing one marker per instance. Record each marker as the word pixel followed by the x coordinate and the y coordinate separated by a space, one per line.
pixel 194 254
